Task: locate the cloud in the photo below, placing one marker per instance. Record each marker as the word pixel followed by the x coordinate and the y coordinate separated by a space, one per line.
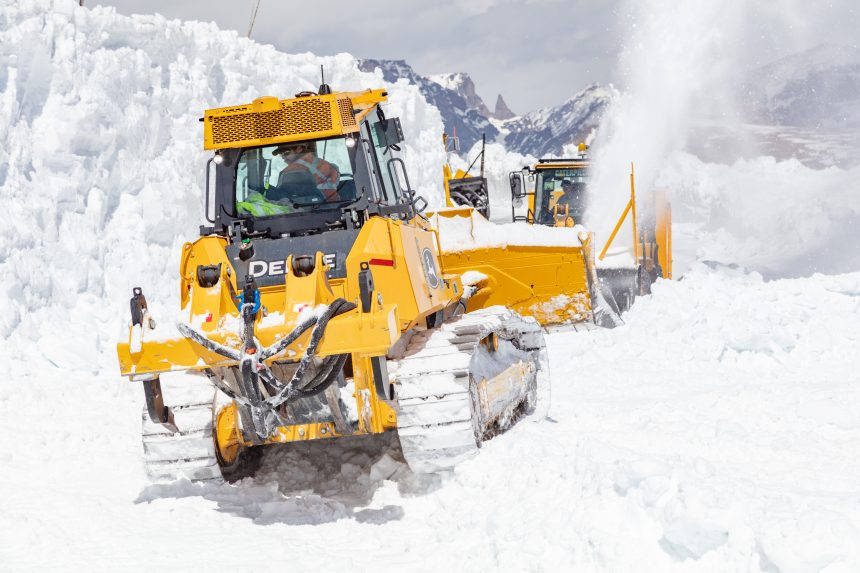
pixel 535 52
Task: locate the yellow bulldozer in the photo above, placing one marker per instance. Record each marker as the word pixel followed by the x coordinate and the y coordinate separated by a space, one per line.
pixel 462 189
pixel 316 304
pixel 551 279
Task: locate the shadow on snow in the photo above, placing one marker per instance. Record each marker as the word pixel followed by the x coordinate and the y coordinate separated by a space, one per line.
pixel 308 483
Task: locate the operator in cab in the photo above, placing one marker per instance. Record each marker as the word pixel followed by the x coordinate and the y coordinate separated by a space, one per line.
pixel 574 197
pixel 303 180
pixel 301 157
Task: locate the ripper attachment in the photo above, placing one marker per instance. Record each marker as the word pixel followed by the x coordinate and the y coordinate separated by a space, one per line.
pixel 264 411
pixel 158 412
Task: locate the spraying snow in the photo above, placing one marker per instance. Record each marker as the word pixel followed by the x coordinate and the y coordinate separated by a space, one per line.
pixel 681 67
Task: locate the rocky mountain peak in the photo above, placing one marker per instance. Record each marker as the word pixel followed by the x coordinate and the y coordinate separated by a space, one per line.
pixel 502 110
pixel 463 84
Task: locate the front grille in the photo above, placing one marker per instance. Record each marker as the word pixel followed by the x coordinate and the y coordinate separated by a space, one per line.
pixel 294 117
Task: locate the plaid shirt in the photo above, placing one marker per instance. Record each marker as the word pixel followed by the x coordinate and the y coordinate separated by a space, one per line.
pixel 324 173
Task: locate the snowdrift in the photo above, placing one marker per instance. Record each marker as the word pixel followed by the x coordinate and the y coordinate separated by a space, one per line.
pixel 101 170
pixel 779 218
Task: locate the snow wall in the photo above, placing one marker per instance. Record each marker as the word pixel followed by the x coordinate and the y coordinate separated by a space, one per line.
pixel 102 162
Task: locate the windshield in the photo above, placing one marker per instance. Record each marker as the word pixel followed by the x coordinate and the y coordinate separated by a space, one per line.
pixel 559 191
pixel 295 177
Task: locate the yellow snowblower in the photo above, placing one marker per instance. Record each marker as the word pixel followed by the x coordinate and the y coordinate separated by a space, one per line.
pixel 315 305
pixel 560 197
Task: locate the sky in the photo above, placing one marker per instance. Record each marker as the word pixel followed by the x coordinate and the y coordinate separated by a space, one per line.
pixel 535 53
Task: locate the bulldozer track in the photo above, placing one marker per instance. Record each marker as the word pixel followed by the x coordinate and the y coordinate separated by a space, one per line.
pixel 188 453
pixel 439 418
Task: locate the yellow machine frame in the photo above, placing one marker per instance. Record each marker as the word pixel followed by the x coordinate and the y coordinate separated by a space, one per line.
pixel 397 247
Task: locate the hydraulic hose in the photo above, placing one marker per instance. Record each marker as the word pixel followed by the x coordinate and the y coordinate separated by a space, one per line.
pixel 291 391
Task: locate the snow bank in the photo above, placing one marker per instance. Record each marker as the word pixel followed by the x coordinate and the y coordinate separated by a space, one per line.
pixel 102 163
pixel 725 416
pixel 780 218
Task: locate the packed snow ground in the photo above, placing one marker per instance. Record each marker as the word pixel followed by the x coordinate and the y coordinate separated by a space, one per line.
pixel 717 430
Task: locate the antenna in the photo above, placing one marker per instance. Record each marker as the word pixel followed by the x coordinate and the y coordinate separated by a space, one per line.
pixel 253 18
pixel 324 87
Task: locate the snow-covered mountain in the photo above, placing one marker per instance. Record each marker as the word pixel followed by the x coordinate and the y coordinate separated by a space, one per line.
pixel 463 84
pixel 805 106
pixel 458 115
pixel 547 131
pixel 542 132
pixel 817 88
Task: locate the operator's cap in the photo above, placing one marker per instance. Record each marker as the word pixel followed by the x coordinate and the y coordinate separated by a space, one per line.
pixel 566 182
pixel 285 147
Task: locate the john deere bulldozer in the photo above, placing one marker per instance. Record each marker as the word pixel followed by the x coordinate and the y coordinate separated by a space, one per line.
pixel 315 305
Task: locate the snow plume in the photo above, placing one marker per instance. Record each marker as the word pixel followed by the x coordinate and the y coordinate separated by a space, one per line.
pixel 674 52
pixel 681 68
pixel 101 167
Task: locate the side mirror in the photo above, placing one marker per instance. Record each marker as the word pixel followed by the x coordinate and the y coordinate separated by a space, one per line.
pixel 388 132
pixel 419 204
pixel 517 186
